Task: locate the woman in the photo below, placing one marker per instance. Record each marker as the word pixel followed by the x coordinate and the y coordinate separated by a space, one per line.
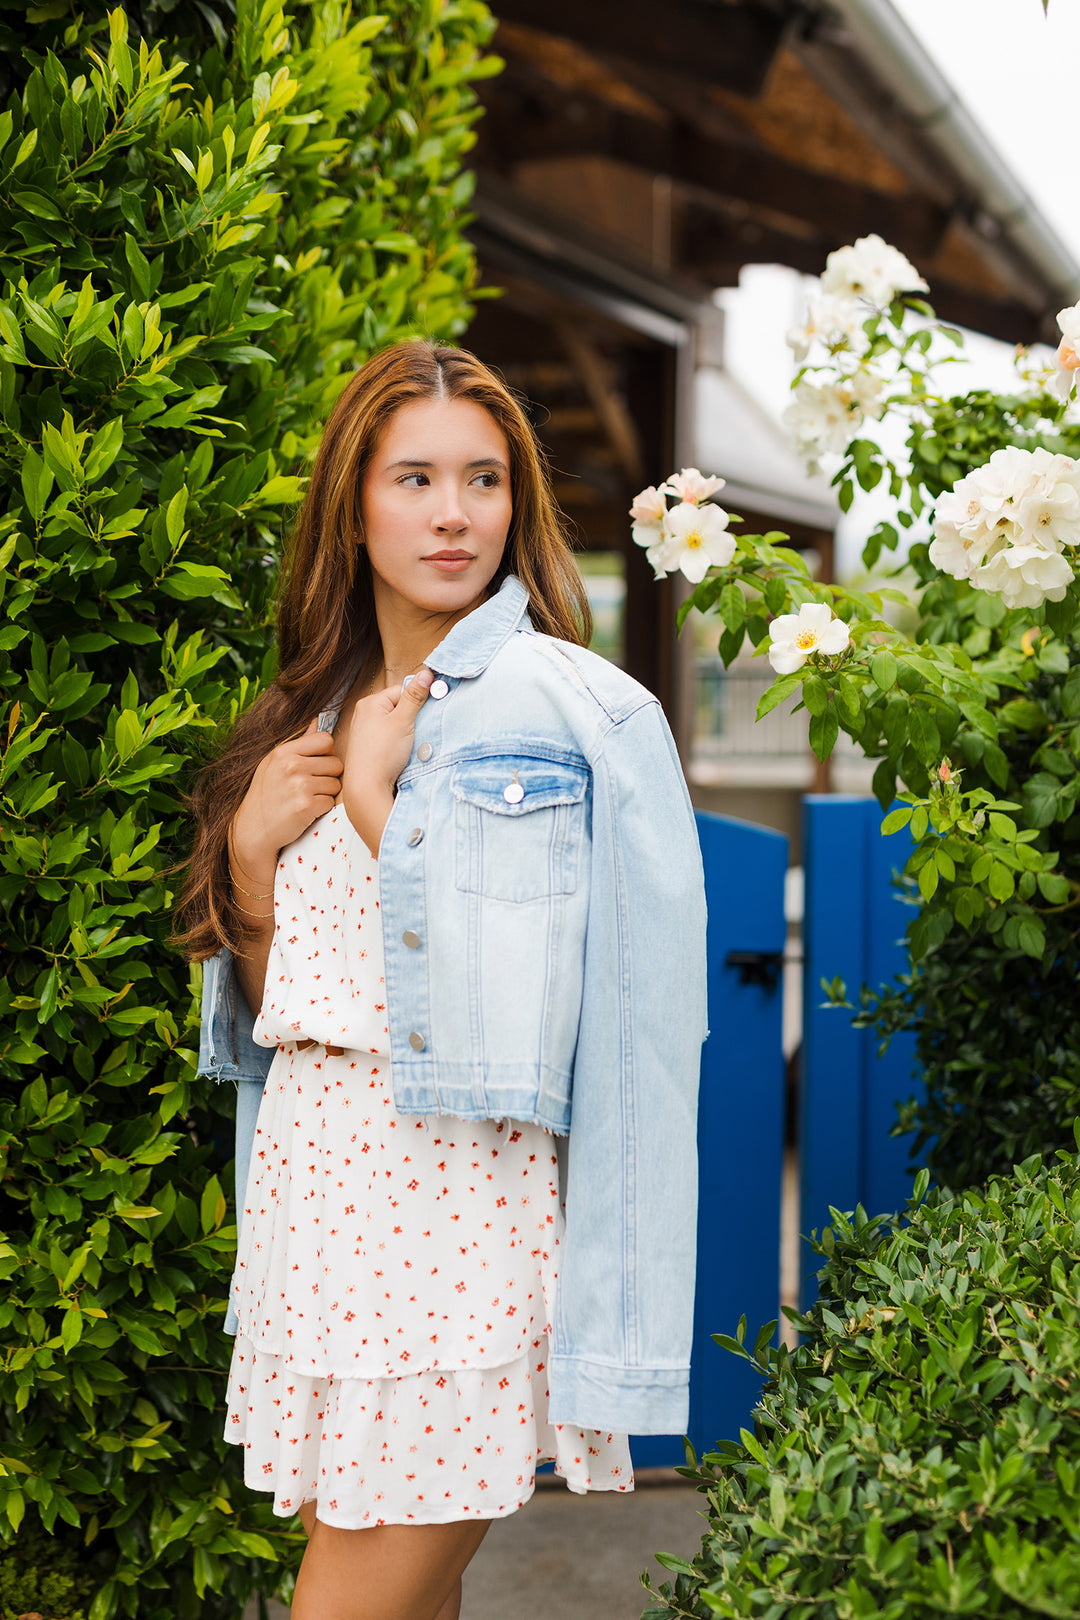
pixel 450 860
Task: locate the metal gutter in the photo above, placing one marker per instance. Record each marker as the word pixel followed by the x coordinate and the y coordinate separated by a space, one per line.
pixel 883 39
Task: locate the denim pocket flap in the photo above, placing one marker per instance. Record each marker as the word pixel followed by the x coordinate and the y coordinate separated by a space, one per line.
pixel 514 784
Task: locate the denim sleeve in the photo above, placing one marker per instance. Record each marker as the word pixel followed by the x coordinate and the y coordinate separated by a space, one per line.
pixel 228 1052
pixel 624 1306
pixel 226 1048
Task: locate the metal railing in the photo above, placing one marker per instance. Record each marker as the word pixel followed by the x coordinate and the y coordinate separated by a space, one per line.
pixel 725 709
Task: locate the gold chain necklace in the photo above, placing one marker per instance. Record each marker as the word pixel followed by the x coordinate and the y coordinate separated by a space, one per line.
pixel 387 670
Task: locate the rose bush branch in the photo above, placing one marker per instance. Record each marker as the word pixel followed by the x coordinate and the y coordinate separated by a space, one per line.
pixel 996 593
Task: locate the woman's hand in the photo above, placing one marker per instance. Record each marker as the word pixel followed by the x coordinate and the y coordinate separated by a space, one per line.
pixel 380 742
pixel 295 783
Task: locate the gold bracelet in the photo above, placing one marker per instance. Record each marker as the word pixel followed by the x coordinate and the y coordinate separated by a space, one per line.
pixel 263 916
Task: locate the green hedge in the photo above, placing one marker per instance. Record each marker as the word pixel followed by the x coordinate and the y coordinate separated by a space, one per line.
pixel 919 1454
pixel 200 237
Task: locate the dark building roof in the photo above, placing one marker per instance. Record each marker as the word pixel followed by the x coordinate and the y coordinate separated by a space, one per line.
pixel 698 136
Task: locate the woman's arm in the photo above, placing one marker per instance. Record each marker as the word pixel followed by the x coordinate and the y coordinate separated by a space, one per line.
pixel 252 879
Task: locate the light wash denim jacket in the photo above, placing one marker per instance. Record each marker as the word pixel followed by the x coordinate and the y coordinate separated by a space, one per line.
pixel 543 848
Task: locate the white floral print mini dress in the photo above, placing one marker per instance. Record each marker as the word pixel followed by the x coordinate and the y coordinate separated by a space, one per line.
pixel 396 1273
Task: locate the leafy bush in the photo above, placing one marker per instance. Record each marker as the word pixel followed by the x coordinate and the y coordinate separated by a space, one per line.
pixel 200 237
pixel 919 1454
pixel 997 1031
pixel 38 1577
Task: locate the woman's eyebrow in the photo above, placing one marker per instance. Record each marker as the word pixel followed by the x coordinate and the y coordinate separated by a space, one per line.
pixel 485 461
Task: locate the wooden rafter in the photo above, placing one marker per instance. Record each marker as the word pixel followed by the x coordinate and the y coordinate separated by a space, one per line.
pixel 609 405
pixel 523 122
pixel 720 43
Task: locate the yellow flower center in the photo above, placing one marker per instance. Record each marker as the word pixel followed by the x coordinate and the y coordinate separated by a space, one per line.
pixel 694 540
pixel 805 640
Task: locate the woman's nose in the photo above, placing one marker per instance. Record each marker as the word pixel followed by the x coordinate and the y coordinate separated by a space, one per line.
pixel 449 515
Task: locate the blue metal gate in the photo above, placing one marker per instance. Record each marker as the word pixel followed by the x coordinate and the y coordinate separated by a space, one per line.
pixel 853 929
pixel 740 1127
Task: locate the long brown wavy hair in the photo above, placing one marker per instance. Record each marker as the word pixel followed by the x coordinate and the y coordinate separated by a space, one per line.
pixel 326 626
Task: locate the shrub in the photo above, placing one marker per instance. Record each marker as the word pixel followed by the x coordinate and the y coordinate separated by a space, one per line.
pixel 200 236
pixel 919 1454
pixel 38 1577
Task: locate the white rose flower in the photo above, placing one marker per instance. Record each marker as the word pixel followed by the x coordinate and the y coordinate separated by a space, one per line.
pixel 1068 354
pixel 814 629
pixel 1049 509
pixel 695 540
pixel 648 512
pixel 823 418
pixel 870 269
pixel 655 558
pixel 690 485
pixel 836 323
pixel 1025 576
pixel 1005 525
pixel 954 553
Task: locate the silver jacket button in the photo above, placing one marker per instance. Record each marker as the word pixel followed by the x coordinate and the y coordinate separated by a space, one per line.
pixel 513 793
pixel 416 1041
pixel 439 688
pixel 424 752
pixel 410 938
pixel 416 835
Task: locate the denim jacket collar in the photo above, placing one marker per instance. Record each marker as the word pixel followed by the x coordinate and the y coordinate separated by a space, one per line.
pixel 474 640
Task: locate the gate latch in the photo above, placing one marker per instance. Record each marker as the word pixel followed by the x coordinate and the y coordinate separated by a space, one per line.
pixel 757 967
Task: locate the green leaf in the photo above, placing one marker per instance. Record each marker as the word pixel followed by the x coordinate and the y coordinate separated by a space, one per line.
pixel 824 730
pixel 815 695
pixel 883 669
pixel 732 606
pixel 1070 694
pixel 1042 799
pixel 174 515
pixel 895 820
pixel 884 784
pixel 105 1601
pixel 781 688
pixel 212 1207
pixel 1000 882
pixel 924 734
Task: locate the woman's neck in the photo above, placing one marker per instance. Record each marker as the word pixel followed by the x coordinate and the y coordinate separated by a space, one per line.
pixel 410 634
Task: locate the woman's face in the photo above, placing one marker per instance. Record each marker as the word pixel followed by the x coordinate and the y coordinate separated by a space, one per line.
pixel 437 506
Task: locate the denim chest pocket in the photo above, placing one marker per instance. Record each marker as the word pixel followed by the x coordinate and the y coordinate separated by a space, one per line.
pixel 519 824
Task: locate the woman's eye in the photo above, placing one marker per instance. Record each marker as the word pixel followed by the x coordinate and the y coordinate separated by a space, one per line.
pixel 416 479
pixel 488 480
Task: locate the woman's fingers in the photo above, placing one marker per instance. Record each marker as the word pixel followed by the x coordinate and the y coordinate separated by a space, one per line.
pixel 311 743
pixel 324 765
pixel 413 695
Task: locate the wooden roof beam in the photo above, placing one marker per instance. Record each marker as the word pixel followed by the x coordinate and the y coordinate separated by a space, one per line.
pixel 522 125
pixel 718 41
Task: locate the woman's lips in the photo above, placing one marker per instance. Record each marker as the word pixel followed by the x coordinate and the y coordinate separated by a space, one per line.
pixel 449 562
